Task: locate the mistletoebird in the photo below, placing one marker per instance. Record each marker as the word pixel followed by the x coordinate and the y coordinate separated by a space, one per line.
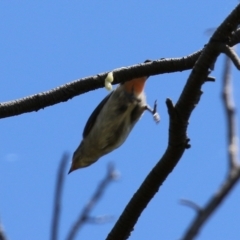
pixel 112 120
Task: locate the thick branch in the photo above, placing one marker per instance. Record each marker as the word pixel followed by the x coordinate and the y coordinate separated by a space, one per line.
pixel 178 141
pixel 234 167
pixel 67 91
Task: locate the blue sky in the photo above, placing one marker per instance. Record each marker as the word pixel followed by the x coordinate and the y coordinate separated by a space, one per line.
pixel 45 44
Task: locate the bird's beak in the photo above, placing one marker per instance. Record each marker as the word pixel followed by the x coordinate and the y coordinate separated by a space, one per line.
pixel 73 168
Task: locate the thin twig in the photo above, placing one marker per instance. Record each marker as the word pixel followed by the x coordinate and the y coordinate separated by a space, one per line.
pixel 100 219
pixel 234 170
pixel 230 53
pixel 58 197
pixel 191 204
pixel 227 96
pixel 212 205
pixel 84 216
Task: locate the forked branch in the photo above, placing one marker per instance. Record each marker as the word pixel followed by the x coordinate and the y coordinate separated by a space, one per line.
pixel 72 89
pixel 233 175
pixel 178 140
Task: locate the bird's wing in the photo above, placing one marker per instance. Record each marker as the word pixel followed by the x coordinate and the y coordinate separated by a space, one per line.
pixel 92 119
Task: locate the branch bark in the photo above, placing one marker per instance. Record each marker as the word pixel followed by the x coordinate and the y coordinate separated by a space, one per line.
pixel 178 141
pixel 84 216
pixel 58 197
pixel 234 167
pixel 72 89
pixel 214 202
pixel 67 91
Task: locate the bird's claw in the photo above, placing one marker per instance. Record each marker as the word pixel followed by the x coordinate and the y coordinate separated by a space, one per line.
pixel 154 112
pixel 156 117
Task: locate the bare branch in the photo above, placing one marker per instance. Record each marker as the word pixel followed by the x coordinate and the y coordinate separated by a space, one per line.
pixel 234 169
pixel 84 217
pixel 178 141
pixel 100 219
pixel 191 204
pixel 58 197
pixel 67 91
pixel 230 53
pixel 212 205
pixel 227 96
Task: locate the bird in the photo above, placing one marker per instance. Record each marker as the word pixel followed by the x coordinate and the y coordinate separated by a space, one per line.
pixel 111 122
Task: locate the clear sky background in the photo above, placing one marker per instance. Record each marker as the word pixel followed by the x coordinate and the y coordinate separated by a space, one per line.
pixel 45 44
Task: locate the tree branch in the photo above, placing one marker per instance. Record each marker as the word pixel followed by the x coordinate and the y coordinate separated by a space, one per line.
pixel 235 38
pixel 234 169
pixel 67 91
pixel 178 141
pixel 212 205
pixel 229 107
pixel 191 204
pixel 85 214
pixel 58 197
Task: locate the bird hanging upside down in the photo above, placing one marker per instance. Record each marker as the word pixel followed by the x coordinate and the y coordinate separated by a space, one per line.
pixel 111 122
